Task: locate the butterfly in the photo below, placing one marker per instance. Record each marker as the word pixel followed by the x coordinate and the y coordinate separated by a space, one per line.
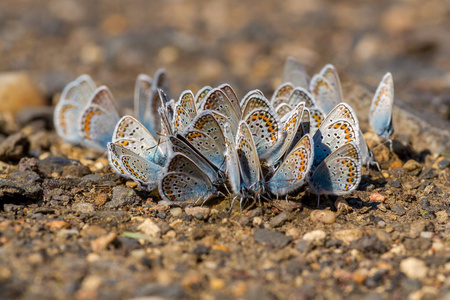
pixel 218 101
pixel 339 173
pixel 340 127
pixel 243 167
pixel 380 114
pixel 184 111
pixel 282 94
pixel 147 100
pixel 293 171
pixel 326 89
pixel 98 119
pixel 184 181
pixel 179 143
pixel 133 166
pixel 132 135
pixel 73 100
pixel 294 73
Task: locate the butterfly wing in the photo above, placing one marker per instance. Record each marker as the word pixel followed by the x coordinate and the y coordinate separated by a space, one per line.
pixel 292 173
pixel 131 134
pixel 229 92
pixel 339 173
pixel 98 120
pixel 135 167
pixel 183 187
pixel 380 114
pixel 254 101
pixel 232 161
pixel 295 73
pixel 73 100
pixel 142 92
pixel 330 73
pixel 249 164
pixel 325 96
pixel 217 100
pixel 201 95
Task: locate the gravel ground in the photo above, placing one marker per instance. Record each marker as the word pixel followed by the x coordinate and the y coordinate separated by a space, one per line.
pixel 71 228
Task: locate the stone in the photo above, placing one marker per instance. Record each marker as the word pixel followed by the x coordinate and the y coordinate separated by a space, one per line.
pixel 198 212
pixel 280 219
pixel 75 171
pixel 348 235
pixel 420 225
pixel 58 224
pixel 93 230
pixel 150 228
pixel 18 91
pixel 102 242
pixel 15 189
pixel 324 216
pixel 83 207
pixel 121 196
pixel 316 237
pixel 55 164
pixel 377 197
pixel 411 165
pixel 443 163
pixel 14 147
pixel 398 210
pixel 414 268
pixel 270 237
pixel 175 212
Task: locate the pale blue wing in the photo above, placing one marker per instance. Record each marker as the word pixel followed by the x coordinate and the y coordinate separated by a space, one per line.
pixel 217 100
pixel 332 136
pixel 142 91
pixel 325 96
pixel 183 187
pixel 248 158
pixel 228 90
pixel 339 173
pixel 380 114
pixel 295 73
pixel 292 173
pixel 330 73
pixel 98 120
pixel 68 110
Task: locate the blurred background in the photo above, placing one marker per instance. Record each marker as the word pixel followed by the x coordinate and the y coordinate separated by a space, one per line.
pixel 244 43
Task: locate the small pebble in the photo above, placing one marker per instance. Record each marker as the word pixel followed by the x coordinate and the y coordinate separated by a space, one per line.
pixel 348 235
pixel 102 242
pixel 411 165
pixel 257 221
pixel 58 224
pixel 150 228
pixel 443 163
pixel 396 164
pixel 414 268
pixel 198 212
pixel 317 237
pixel 426 234
pixel 377 197
pixel 324 216
pixel 175 212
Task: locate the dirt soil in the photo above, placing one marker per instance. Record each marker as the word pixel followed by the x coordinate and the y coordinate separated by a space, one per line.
pixel 72 229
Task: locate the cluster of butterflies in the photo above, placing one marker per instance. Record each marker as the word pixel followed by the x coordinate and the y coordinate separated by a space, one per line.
pixel 198 146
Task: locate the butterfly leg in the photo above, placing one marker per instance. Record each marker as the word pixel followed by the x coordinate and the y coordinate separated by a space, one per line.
pixel 318 200
pixel 390 145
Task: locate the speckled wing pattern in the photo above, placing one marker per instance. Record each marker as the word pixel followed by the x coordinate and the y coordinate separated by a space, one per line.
pixel 339 173
pixel 292 173
pixel 380 114
pixel 73 100
pixel 98 120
